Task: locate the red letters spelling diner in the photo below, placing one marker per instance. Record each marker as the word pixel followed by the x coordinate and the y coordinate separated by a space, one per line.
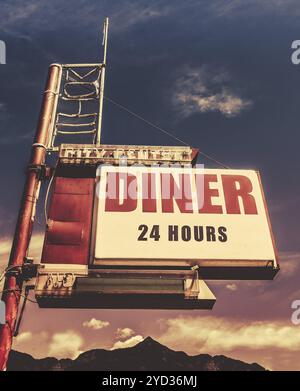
pixel 236 189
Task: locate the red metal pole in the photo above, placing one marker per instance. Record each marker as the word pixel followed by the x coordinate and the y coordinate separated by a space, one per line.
pixel 13 281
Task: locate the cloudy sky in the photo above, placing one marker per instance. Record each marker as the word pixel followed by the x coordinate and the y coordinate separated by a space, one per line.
pixel 219 75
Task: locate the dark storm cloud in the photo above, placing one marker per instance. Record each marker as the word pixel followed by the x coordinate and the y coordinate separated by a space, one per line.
pixel 150 44
pixel 152 47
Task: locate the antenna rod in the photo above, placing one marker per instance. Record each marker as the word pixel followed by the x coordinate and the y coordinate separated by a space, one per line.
pixel 102 81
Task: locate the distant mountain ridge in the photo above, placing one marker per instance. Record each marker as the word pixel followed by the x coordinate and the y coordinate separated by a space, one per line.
pixel 148 355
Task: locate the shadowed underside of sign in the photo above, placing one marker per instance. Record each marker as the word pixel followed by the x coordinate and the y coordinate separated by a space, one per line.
pixel 83 287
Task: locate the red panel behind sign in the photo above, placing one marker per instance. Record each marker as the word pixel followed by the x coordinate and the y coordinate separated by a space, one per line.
pixel 68 233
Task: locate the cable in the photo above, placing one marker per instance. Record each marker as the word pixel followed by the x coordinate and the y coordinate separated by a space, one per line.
pixel 6 270
pixel 162 130
pixel 146 121
pixel 47 195
pixel 20 317
pixel 214 160
pixel 21 294
pixel 170 134
pixel 31 300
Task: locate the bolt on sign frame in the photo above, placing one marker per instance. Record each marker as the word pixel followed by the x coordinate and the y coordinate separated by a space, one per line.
pixel 76 271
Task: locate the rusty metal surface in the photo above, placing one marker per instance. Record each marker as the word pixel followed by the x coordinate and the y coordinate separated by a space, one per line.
pixel 13 283
pixel 68 232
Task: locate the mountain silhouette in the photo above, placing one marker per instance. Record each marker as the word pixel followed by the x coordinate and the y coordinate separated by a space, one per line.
pixel 148 355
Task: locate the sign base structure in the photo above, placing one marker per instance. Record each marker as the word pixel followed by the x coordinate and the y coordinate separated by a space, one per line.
pixel 78 287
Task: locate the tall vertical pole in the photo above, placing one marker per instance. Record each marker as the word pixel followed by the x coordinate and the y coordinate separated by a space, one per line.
pixel 102 81
pixel 13 281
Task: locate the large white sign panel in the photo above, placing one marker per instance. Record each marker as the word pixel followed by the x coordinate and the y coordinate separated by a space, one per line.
pixel 193 215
